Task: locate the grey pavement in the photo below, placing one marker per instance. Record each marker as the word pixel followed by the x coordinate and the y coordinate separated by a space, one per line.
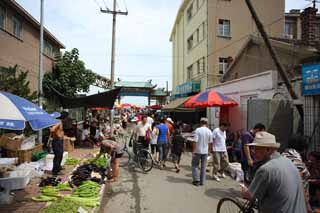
pixel 164 191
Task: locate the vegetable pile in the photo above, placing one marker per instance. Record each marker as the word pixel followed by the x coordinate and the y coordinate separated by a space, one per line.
pixel 50 191
pixel 72 161
pixel 49 181
pixel 88 189
pixel 84 172
pixel 101 162
pixel 63 187
pixel 64 205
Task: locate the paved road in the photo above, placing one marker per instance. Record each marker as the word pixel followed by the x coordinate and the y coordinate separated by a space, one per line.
pixel 164 191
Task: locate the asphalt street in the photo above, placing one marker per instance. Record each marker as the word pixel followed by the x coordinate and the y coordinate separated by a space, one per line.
pixel 164 191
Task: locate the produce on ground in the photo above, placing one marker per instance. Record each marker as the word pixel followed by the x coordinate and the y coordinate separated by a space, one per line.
pixel 72 161
pixel 49 181
pixel 88 189
pixel 63 206
pixel 50 191
pixel 63 187
pixel 83 173
pixel 102 162
pixel 43 198
pixel 88 202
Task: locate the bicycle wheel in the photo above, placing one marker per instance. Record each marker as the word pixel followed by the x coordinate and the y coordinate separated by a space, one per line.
pixel 145 160
pixel 229 205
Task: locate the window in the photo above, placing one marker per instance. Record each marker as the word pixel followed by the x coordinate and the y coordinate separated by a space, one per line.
pixel 189 72
pixel 223 64
pixel 17 27
pixel 48 49
pixel 199 66
pixel 190 42
pixel 2 16
pixel 189 12
pixel 224 28
pixel 290 30
pixel 198 35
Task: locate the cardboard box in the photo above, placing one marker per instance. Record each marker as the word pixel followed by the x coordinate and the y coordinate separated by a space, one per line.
pixel 9 143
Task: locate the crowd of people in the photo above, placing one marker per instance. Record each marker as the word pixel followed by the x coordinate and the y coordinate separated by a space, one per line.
pixel 286 182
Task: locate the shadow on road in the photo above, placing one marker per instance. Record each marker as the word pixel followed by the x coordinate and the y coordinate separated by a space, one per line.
pixel 220 193
pixel 173 179
pixel 185 167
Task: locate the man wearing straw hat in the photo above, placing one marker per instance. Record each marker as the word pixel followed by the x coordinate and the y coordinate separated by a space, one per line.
pixel 277 183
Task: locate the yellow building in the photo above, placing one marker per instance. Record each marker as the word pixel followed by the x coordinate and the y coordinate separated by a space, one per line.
pixel 208 34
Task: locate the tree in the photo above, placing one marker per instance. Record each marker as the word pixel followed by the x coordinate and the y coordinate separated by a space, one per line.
pixel 15 81
pixel 69 76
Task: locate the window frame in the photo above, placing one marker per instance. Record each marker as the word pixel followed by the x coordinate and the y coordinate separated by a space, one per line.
pixel 3 8
pixel 224 30
pixel 223 65
pixel 189 72
pixel 190 12
pixel 190 42
pixel 19 21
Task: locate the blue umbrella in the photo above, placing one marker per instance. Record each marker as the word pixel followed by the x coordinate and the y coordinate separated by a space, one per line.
pixel 16 111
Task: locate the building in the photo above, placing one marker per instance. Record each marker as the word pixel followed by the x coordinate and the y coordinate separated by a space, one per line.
pixel 208 34
pixel 20 41
pixel 293 26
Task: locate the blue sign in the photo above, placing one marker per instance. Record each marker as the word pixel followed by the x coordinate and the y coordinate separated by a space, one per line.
pixel 188 87
pixel 311 80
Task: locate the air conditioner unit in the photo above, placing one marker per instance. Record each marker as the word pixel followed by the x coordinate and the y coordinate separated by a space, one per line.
pixel 287 36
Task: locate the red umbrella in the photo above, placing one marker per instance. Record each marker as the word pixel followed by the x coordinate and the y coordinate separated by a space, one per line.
pixel 210 98
pixel 155 107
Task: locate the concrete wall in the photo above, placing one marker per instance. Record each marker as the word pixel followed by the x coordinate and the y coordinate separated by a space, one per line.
pixel 22 51
pixel 242 25
pixel 259 86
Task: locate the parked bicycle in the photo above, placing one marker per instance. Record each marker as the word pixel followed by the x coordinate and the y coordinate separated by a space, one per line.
pixel 139 157
pixel 232 205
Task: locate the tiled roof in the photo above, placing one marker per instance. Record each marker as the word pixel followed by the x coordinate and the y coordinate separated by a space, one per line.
pixel 133 84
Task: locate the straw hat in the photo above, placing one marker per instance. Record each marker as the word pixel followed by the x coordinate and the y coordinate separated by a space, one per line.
pixel 265 139
pixel 170 120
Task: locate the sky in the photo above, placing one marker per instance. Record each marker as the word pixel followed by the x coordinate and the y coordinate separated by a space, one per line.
pixel 143 50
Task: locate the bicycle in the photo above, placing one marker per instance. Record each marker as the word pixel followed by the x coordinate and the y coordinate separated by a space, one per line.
pixel 139 157
pixel 231 205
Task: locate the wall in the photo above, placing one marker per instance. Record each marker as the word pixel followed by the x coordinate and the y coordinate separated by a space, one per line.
pixel 242 25
pixel 262 86
pixel 25 51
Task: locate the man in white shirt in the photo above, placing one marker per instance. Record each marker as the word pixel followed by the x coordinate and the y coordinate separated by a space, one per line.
pixel 141 131
pixel 203 137
pixel 150 120
pixel 219 154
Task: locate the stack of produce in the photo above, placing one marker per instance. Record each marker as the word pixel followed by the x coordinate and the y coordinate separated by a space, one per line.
pixel 86 194
pixel 49 193
pixel 63 187
pixel 72 161
pixel 84 172
pixel 67 206
pixel 49 181
pixel 101 162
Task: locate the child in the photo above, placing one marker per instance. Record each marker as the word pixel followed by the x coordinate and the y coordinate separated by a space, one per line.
pixel 177 147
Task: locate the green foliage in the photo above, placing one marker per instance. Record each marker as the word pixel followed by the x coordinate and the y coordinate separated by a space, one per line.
pixel 69 76
pixel 15 81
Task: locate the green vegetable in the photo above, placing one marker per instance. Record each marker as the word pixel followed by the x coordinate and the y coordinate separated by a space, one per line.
pixel 89 202
pixel 43 198
pixel 63 187
pixel 88 189
pixel 63 206
pixel 50 191
pixel 72 161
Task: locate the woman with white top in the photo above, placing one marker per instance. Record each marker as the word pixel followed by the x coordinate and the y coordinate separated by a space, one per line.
pixel 153 142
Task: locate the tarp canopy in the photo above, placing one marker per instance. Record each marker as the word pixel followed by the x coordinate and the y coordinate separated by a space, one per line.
pixel 177 106
pixel 103 100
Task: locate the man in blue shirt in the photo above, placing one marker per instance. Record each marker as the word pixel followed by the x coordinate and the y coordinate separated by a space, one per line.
pixel 162 143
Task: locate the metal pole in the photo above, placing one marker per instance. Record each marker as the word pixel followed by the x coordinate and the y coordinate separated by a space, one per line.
pixel 40 92
pixel 274 56
pixel 114 20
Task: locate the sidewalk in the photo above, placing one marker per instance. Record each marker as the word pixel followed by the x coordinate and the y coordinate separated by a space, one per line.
pixel 22 202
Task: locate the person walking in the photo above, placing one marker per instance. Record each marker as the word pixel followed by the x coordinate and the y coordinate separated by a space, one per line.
pixel 277 183
pixel 200 150
pixel 153 142
pixel 219 152
pixel 142 133
pixel 57 135
pixel 247 158
pixel 178 143
pixel 163 138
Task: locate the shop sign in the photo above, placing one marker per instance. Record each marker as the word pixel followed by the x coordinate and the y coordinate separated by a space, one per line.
pixel 311 80
pixel 188 87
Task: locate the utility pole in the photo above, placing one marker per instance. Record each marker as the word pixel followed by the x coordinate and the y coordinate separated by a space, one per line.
pixel 274 56
pixel 114 13
pixel 40 90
